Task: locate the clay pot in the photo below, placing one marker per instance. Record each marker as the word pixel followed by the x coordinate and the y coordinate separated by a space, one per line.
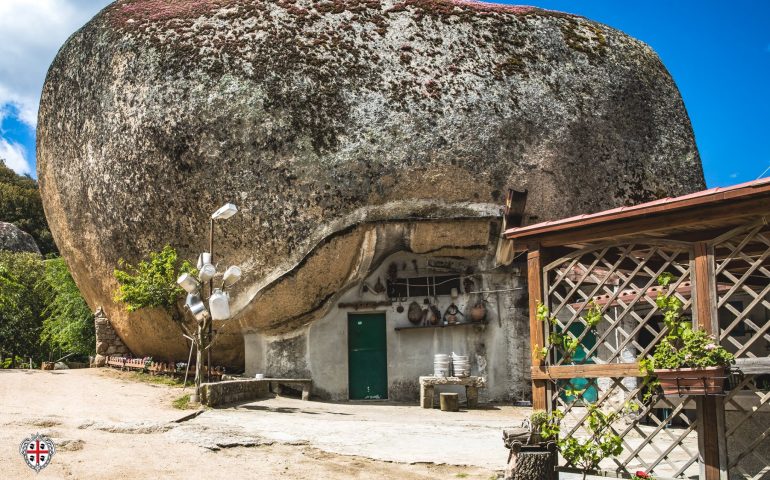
pixel 478 312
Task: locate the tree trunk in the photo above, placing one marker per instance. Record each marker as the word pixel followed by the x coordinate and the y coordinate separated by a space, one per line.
pixel 530 465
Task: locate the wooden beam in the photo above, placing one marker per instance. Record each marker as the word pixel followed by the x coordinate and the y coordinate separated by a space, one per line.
pixel 611 370
pixel 709 408
pixel 727 213
pixel 705 304
pixel 535 263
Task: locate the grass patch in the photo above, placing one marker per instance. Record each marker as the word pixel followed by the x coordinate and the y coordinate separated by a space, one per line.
pixel 182 403
pixel 157 379
pixel 461 475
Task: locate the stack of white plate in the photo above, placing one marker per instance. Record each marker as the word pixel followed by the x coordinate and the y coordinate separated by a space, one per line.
pixel 462 365
pixel 441 364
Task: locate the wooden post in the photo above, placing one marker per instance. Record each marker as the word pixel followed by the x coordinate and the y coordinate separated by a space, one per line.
pixel 449 402
pixel 536 329
pixel 710 409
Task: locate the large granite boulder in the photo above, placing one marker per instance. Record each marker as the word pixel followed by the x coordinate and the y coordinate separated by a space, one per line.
pixel 322 120
pixel 13 239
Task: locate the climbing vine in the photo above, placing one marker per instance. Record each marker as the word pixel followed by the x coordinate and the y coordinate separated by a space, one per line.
pixel 565 343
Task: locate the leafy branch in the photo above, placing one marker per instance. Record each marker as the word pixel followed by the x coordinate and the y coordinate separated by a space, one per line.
pixel 565 343
pixel 587 453
pixel 683 346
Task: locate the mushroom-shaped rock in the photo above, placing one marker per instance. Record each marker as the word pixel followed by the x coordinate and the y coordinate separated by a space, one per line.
pixel 13 239
pixel 344 130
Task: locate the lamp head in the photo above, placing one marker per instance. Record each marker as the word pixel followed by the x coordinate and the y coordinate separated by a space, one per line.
pixel 219 305
pixel 207 272
pixel 197 308
pixel 232 275
pixel 225 211
pixel 203 259
pixel 188 282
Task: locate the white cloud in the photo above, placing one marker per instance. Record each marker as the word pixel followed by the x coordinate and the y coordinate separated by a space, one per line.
pixel 14 157
pixel 31 33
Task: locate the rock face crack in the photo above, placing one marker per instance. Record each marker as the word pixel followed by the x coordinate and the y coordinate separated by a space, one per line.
pixel 323 121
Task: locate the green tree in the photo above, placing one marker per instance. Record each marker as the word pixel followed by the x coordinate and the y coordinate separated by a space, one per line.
pixel 22 301
pixel 21 205
pixel 152 282
pixel 68 323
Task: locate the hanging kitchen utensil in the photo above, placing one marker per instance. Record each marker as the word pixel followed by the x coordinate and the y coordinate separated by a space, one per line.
pixel 378 287
pixel 435 315
pixel 393 272
pixel 450 316
pixel 479 312
pixel 468 285
pixel 415 313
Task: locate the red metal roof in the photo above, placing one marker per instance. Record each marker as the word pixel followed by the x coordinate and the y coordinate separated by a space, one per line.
pixel 702 198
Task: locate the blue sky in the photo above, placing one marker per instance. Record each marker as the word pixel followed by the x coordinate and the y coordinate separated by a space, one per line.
pixel 718 53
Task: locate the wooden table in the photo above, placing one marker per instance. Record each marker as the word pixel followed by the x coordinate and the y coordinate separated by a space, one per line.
pixel 471 384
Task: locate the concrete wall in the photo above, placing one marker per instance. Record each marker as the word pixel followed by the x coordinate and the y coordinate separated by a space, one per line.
pixel 499 350
pixel 222 393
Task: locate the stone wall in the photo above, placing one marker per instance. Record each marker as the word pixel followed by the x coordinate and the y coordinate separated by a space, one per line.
pixel 221 393
pixel 107 340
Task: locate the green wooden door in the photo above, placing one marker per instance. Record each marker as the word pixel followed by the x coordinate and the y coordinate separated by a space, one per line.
pixel 367 357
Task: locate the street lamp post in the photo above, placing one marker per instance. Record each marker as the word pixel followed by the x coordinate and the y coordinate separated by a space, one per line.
pixel 224 212
pixel 215 306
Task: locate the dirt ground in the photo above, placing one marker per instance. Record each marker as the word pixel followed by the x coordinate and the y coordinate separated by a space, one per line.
pixel 105 425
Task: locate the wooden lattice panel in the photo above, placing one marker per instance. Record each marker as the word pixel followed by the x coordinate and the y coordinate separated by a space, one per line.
pixel 742 280
pixel 621 281
pixel 659 438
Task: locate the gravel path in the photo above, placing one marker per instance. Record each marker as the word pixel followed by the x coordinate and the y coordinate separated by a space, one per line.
pixel 107 426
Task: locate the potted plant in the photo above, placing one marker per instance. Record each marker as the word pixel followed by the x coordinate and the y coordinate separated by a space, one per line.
pixel 687 361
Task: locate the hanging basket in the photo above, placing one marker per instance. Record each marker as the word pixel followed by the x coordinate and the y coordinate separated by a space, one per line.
pixel 692 381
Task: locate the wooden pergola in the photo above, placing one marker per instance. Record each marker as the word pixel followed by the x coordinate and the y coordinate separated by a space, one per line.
pixel 716 244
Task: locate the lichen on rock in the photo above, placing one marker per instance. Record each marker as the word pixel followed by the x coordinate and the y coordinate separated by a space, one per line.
pixel 326 120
